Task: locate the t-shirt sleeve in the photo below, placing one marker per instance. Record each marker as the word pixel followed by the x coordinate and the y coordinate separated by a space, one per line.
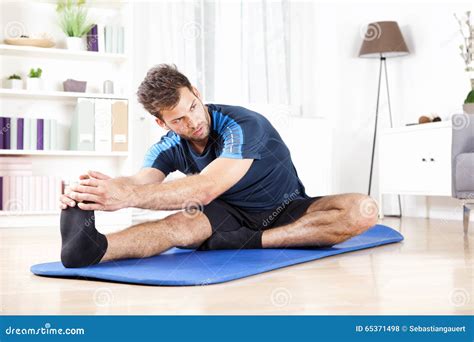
pixel 243 139
pixel 161 156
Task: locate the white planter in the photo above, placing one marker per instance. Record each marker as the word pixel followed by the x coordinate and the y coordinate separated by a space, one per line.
pixel 14 84
pixel 34 84
pixel 75 44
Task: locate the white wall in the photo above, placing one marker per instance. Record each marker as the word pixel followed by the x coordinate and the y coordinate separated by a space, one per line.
pixel 430 80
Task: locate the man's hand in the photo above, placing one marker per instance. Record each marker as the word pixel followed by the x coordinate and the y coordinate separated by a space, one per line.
pixel 66 200
pixel 106 194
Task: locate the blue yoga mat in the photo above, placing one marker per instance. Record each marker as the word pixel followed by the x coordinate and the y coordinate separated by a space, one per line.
pixel 178 267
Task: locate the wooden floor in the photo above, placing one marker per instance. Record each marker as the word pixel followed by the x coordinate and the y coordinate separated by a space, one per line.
pixel 430 272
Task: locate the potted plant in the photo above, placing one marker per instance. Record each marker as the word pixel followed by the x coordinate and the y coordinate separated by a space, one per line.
pixel 466 29
pixel 34 82
pixel 468 106
pixel 74 22
pixel 14 82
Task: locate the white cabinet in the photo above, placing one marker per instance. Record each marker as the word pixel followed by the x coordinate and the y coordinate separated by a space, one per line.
pixel 416 160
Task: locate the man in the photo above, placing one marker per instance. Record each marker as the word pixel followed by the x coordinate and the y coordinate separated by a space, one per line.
pixel 241 189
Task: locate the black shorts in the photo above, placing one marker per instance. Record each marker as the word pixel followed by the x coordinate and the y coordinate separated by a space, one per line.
pixel 234 228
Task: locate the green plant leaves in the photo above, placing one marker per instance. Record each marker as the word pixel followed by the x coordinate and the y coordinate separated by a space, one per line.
pixel 73 18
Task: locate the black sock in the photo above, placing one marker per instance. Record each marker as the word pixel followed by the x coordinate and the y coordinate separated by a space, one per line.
pixel 82 244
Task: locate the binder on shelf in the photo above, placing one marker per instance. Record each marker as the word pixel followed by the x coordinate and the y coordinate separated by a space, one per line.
pixel 20 133
pixel 26 133
pixel 92 39
pixel 39 134
pixel 108 39
pixel 121 39
pixel 13 133
pixel 101 37
pixel 119 125
pixel 54 135
pixel 114 38
pixel 82 128
pixel 33 133
pixel 103 125
pixel 6 133
pixel 2 134
pixel 47 134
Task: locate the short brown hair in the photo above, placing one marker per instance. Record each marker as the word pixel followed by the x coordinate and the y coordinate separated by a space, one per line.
pixel 160 88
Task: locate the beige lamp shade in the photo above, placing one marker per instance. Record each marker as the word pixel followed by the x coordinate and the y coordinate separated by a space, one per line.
pixel 383 39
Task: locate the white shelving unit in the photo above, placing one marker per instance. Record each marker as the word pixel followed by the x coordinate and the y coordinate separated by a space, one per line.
pixel 31 51
pixel 56 95
pixel 63 153
pixel 28 213
pixel 61 64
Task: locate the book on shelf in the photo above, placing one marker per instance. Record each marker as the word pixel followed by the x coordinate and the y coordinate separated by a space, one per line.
pixel 93 39
pixel 20 190
pixel 19 133
pixel 106 38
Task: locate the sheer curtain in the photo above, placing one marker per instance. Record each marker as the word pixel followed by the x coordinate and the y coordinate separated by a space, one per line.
pixel 234 52
pixel 247 44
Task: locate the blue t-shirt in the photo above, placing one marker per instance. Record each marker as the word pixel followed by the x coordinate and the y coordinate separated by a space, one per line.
pixel 237 133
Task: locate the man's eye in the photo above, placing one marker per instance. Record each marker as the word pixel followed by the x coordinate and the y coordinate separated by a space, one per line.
pixel 192 107
pixel 177 120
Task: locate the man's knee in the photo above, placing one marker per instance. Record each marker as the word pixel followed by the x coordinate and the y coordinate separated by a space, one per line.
pixel 362 212
pixel 189 229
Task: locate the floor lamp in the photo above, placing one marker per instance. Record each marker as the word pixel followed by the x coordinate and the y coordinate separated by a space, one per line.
pixel 382 40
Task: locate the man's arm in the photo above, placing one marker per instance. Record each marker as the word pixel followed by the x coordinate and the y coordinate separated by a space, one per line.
pixel 216 178
pixel 144 176
pixel 201 189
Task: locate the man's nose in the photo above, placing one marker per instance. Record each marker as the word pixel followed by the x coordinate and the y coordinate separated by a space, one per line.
pixel 191 123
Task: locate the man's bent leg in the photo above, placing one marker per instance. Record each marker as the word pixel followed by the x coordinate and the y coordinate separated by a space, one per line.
pixel 83 245
pixel 326 222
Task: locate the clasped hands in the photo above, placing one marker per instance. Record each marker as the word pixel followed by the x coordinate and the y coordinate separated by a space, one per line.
pixel 100 191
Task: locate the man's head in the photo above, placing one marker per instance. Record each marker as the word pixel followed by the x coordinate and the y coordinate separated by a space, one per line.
pixel 168 95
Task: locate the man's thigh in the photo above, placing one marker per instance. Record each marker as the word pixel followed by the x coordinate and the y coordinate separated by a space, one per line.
pixel 294 210
pixel 342 201
pixel 232 228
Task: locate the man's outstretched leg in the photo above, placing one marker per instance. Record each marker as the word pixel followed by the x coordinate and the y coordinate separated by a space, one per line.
pixel 327 221
pixel 83 245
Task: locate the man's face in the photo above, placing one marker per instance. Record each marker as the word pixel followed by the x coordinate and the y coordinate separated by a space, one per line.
pixel 189 118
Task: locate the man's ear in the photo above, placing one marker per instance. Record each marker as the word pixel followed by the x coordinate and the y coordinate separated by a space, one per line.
pixel 161 123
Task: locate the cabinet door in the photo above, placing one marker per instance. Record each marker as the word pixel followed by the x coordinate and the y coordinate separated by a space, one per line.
pixel 416 162
pixel 437 176
pixel 400 167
